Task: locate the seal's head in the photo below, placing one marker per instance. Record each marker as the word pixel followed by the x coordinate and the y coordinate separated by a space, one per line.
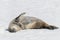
pixel 14 28
pixel 15 25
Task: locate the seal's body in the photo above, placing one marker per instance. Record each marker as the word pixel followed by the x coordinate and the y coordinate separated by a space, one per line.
pixel 25 22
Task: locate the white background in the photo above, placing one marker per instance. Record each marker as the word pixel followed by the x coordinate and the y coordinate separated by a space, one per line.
pixel 47 10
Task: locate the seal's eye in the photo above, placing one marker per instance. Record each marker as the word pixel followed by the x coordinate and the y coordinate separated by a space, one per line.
pixel 20 25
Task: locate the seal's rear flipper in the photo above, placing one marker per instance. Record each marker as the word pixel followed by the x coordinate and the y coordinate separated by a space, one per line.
pixel 52 27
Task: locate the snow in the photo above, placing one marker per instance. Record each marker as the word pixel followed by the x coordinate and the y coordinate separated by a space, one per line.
pixel 30 34
pixel 47 10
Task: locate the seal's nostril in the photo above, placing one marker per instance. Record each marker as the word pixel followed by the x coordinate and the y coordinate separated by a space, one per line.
pixel 12 30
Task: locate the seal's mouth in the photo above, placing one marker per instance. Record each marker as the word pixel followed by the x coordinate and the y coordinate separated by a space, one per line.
pixel 11 30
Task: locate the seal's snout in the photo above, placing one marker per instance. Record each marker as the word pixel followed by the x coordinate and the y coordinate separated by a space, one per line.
pixel 11 30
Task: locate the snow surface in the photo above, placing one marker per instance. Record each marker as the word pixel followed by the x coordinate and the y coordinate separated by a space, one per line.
pixel 47 10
